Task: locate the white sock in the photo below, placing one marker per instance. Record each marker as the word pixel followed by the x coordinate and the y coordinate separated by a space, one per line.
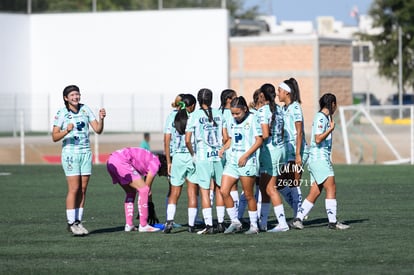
pixel 264 215
pixel 242 205
pixel 330 205
pixel 235 196
pixel 78 214
pixel 208 216
pixel 70 215
pixel 171 211
pixel 280 215
pixel 304 210
pixel 232 212
pixel 192 214
pixel 220 213
pixel 253 218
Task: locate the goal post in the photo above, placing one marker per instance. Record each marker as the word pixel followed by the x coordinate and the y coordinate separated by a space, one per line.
pixel 393 135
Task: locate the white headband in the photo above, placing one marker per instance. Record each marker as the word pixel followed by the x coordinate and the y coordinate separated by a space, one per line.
pixel 285 87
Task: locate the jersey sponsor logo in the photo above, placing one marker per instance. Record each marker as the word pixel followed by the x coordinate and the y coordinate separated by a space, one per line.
pixel 238 137
pixel 204 120
pixel 80 125
pixel 212 154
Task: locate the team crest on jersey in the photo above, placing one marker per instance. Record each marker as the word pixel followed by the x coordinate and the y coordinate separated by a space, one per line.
pixel 247 126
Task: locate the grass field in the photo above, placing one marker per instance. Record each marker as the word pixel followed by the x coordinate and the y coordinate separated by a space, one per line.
pixel 377 201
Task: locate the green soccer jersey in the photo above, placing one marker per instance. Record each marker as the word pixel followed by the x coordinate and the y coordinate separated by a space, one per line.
pixel 178 141
pixel 324 148
pixel 292 114
pixel 276 130
pixel 243 136
pixel 168 128
pixel 77 141
pixel 208 137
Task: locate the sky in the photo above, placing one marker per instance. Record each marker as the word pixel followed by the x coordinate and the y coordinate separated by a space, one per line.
pixel 309 10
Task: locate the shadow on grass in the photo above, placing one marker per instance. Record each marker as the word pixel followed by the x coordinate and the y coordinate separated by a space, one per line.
pixel 107 230
pixel 324 222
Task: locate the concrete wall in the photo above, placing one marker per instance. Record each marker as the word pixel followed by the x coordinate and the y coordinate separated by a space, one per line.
pixel 131 63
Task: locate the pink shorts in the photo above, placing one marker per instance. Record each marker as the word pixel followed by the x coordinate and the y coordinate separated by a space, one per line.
pixel 121 172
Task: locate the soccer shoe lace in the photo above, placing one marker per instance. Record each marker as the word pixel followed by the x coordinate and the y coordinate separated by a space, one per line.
pixel 148 228
pixel 206 231
pixel 129 228
pixel 81 228
pixel 168 227
pixel 221 228
pixel 252 230
pixel 297 223
pixel 278 228
pixel 338 226
pixel 233 228
pixel 74 229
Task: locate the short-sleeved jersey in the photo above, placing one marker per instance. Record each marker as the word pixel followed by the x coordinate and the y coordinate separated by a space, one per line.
pixel 276 130
pixel 142 160
pixel 168 127
pixel 208 137
pixel 77 140
pixel 292 114
pixel 227 117
pixel 243 136
pixel 321 151
pixel 178 141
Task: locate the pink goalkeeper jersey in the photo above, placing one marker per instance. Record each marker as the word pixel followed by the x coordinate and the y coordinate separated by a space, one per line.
pixel 126 164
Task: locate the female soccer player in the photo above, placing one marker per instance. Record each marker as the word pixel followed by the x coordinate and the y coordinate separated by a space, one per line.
pixel 244 140
pixel 294 139
pixel 320 165
pixel 182 167
pixel 71 124
pixel 134 169
pixel 226 97
pixel 272 158
pixel 206 124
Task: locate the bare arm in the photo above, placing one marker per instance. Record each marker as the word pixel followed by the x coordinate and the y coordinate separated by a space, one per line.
pixel 243 159
pixel 188 142
pixel 299 138
pixel 321 137
pixel 167 142
pixel 98 126
pixel 58 134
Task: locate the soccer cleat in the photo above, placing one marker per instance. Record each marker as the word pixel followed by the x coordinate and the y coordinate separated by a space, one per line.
pixel 168 227
pixel 278 228
pixel 252 230
pixel 297 223
pixel 233 228
pixel 208 230
pixel 191 229
pixel 81 228
pixel 148 228
pixel 220 227
pixel 129 228
pixel 262 228
pixel 338 226
pixel 74 229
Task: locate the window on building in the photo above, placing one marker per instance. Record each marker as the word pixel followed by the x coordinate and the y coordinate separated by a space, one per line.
pixel 360 53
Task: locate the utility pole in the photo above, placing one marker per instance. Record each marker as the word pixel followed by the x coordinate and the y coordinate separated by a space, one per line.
pixel 29 6
pixel 400 71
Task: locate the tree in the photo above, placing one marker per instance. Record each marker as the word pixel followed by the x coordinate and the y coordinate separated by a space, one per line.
pixel 388 15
